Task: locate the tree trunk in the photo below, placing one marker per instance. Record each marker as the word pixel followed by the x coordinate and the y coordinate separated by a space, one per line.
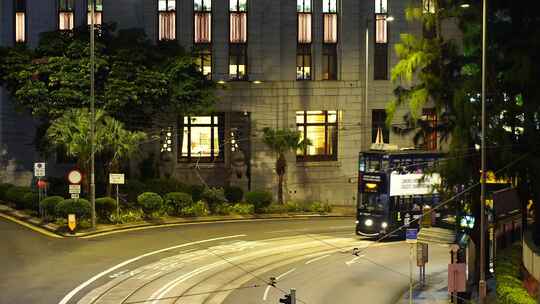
pixel 281 166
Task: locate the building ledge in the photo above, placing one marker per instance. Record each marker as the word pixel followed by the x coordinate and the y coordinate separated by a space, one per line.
pixel 308 164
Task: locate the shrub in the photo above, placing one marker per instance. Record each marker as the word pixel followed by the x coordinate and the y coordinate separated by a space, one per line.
pixel 293 206
pixel 133 188
pixel 80 207
pixel 49 205
pixel 196 192
pixel 234 194
pixel 259 199
pixel 510 288
pixel 176 201
pixel 30 201
pixel 214 197
pixel 197 209
pixel 242 209
pixel 275 208
pixel 163 186
pixel 320 207
pixel 223 209
pixel 3 189
pixel 105 206
pixel 150 202
pixel 16 195
pixel 127 216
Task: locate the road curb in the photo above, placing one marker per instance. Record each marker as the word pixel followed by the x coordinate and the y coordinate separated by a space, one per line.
pixel 38 225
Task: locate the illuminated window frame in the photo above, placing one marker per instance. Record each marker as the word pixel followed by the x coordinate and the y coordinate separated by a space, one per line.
pixel 216 121
pixel 98 12
pixel 202 55
pixel 166 20
pixel 330 130
pixel 66 15
pixel 304 60
pixel 20 21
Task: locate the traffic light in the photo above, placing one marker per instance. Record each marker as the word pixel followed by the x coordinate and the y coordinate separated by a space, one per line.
pixel 286 299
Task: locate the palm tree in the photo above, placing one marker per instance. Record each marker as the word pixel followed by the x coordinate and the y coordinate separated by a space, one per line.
pixel 72 131
pixel 281 141
pixel 120 142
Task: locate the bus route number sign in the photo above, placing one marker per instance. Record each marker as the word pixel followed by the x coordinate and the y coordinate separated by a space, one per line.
pixel 411 236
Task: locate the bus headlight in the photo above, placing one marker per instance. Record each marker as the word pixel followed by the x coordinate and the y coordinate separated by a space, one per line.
pixel 357 222
pixel 384 225
pixel 368 222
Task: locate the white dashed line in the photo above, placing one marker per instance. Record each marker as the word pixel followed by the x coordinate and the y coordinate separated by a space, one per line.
pixel 316 259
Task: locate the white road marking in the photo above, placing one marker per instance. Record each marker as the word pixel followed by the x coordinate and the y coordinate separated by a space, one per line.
pixel 266 292
pixel 349 263
pixel 316 259
pixel 72 293
pixel 284 274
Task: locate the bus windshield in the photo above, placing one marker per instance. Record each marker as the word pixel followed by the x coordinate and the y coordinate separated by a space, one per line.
pixel 374 203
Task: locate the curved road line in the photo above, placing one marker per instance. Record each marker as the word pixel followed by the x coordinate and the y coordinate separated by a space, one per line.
pixel 72 293
pixel 31 227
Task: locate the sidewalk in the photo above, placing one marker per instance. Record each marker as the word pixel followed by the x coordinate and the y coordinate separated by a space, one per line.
pixel 436 291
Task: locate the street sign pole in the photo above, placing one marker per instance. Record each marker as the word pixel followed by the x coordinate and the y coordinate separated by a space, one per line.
pixel 117 206
pixel 410 272
pixel 293 296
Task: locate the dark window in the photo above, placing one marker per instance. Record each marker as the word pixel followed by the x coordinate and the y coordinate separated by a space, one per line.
pixel 20 21
pixel 303 62
pixel 98 12
pixel 381 61
pixel 201 138
pixel 329 62
pixel 65 15
pixel 430 130
pixel 378 122
pixel 167 19
pixel 320 128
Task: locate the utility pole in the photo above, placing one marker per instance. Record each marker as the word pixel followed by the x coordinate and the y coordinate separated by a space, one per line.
pixel 93 114
pixel 482 282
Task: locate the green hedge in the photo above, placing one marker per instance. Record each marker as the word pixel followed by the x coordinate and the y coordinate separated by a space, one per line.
pixel 259 199
pixel 150 202
pixel 176 201
pixel 105 206
pixel 49 205
pixel 510 288
pixel 234 194
pixel 80 207
pixel 16 195
pixel 30 201
pixel 215 199
pixel 197 209
pixel 3 189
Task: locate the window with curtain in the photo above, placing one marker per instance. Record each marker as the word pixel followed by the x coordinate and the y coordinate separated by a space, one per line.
pixel 381 40
pixel 20 21
pixel 330 28
pixel 303 62
pixel 167 19
pixel 201 138
pixel 430 130
pixel 98 12
pixel 238 21
pixel 65 15
pixel 303 10
pixel 202 21
pixel 320 128
pixel 329 6
pixel 378 121
pixel 428 6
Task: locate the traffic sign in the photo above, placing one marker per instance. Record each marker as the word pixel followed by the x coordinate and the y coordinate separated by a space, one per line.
pixel 74 196
pixel 74 189
pixel 74 177
pixel 39 169
pixel 116 178
pixel 72 222
pixel 411 236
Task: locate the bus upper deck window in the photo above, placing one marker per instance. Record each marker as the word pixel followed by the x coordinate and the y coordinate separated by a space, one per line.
pixel 362 164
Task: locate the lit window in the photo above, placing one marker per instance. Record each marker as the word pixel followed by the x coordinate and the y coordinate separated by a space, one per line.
pixel 381 7
pixel 65 15
pixel 304 27
pixel 238 5
pixel 329 6
pixel 430 129
pixel 428 6
pixel 201 138
pixel 329 62
pixel 237 62
pixel 320 129
pixel 330 28
pixel 167 19
pixel 98 12
pixel 303 6
pixel 202 5
pixel 378 122
pixel 203 59
pixel 238 27
pixel 303 62
pixel 203 27
pixel 20 21
pixel 381 29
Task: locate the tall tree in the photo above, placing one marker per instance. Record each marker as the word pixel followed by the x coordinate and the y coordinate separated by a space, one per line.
pixel 282 141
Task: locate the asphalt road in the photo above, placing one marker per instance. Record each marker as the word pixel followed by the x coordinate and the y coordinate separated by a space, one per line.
pixel 206 263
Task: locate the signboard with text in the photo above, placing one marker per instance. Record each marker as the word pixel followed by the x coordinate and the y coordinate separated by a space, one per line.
pixel 39 169
pixel 414 184
pixel 411 236
pixel 116 178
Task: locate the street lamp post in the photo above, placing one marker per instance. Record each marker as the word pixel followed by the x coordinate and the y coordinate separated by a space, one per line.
pixel 92 115
pixel 482 282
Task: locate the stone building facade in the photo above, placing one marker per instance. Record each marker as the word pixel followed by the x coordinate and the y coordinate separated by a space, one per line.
pixel 296 64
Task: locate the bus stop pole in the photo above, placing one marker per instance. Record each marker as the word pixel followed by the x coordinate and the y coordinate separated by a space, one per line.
pixel 410 273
